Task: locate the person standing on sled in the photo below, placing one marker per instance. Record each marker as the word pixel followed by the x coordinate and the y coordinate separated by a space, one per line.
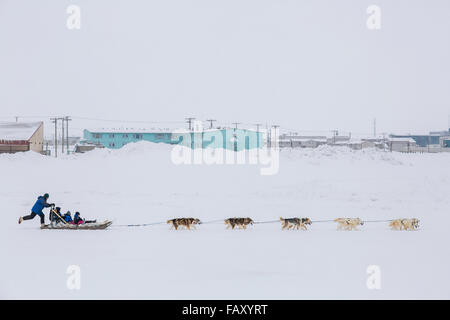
pixel 40 204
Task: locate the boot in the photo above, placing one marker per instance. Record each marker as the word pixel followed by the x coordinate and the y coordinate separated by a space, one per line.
pixel 42 225
pixel 20 220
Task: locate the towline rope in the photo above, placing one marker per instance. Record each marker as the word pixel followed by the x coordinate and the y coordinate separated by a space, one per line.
pixel 138 225
pixel 318 221
pixel 212 221
pixel 272 221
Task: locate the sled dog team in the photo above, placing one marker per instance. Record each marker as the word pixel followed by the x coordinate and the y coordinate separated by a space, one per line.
pixel 346 224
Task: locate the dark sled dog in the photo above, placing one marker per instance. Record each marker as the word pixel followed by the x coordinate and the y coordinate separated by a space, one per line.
pixel 295 223
pixel 187 223
pixel 241 223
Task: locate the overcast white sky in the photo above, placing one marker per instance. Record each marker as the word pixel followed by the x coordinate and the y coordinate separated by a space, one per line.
pixel 304 64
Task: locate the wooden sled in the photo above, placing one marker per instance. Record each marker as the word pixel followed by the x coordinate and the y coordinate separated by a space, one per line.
pixel 84 226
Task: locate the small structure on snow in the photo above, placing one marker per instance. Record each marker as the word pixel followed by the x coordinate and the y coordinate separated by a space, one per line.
pixel 21 136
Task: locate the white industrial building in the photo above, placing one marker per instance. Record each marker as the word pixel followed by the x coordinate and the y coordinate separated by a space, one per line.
pixel 21 136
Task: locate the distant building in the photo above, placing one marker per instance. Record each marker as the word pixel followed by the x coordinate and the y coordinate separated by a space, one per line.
pixel 401 144
pixel 83 147
pixel 444 138
pixel 356 144
pixel 296 141
pixel 380 143
pixel 441 133
pixel 421 140
pixel 445 142
pixel 337 138
pixel 21 136
pixel 72 141
pixel 226 138
pixel 425 140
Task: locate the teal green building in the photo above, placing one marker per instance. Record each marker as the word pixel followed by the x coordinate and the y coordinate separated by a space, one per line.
pixel 226 138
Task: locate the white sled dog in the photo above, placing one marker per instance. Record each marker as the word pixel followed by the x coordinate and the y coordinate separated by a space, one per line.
pixel 348 223
pixel 404 224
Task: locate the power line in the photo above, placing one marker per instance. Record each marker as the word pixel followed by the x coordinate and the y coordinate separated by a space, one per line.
pixel 94 119
pixel 126 121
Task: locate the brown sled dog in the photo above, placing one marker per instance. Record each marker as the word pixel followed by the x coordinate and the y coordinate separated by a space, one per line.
pixel 241 223
pixel 187 223
pixel 404 224
pixel 348 223
pixel 295 223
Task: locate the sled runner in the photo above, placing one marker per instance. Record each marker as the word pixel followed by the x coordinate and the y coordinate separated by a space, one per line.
pixel 84 226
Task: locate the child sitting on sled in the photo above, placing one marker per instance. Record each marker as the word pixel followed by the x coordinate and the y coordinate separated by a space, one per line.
pixel 68 217
pixel 78 220
pixel 54 213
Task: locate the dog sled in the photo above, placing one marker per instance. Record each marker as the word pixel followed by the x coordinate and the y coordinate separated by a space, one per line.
pixel 60 224
pixel 85 226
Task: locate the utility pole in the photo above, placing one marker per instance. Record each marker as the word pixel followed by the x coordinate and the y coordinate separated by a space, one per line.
pixel 335 133
pixel 257 134
pixel 275 127
pixel 17 119
pixel 211 123
pixel 55 121
pixel 67 132
pixel 374 127
pixel 236 125
pixel 189 120
pixel 62 135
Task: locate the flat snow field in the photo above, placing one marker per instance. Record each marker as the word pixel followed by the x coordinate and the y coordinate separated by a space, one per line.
pixel 140 184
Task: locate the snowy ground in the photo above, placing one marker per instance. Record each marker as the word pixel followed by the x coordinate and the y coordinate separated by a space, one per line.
pixel 139 184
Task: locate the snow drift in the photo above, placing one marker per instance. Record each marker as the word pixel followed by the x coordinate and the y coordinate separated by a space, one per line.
pixel 140 184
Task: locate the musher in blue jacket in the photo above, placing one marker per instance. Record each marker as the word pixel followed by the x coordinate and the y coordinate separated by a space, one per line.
pixel 40 204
